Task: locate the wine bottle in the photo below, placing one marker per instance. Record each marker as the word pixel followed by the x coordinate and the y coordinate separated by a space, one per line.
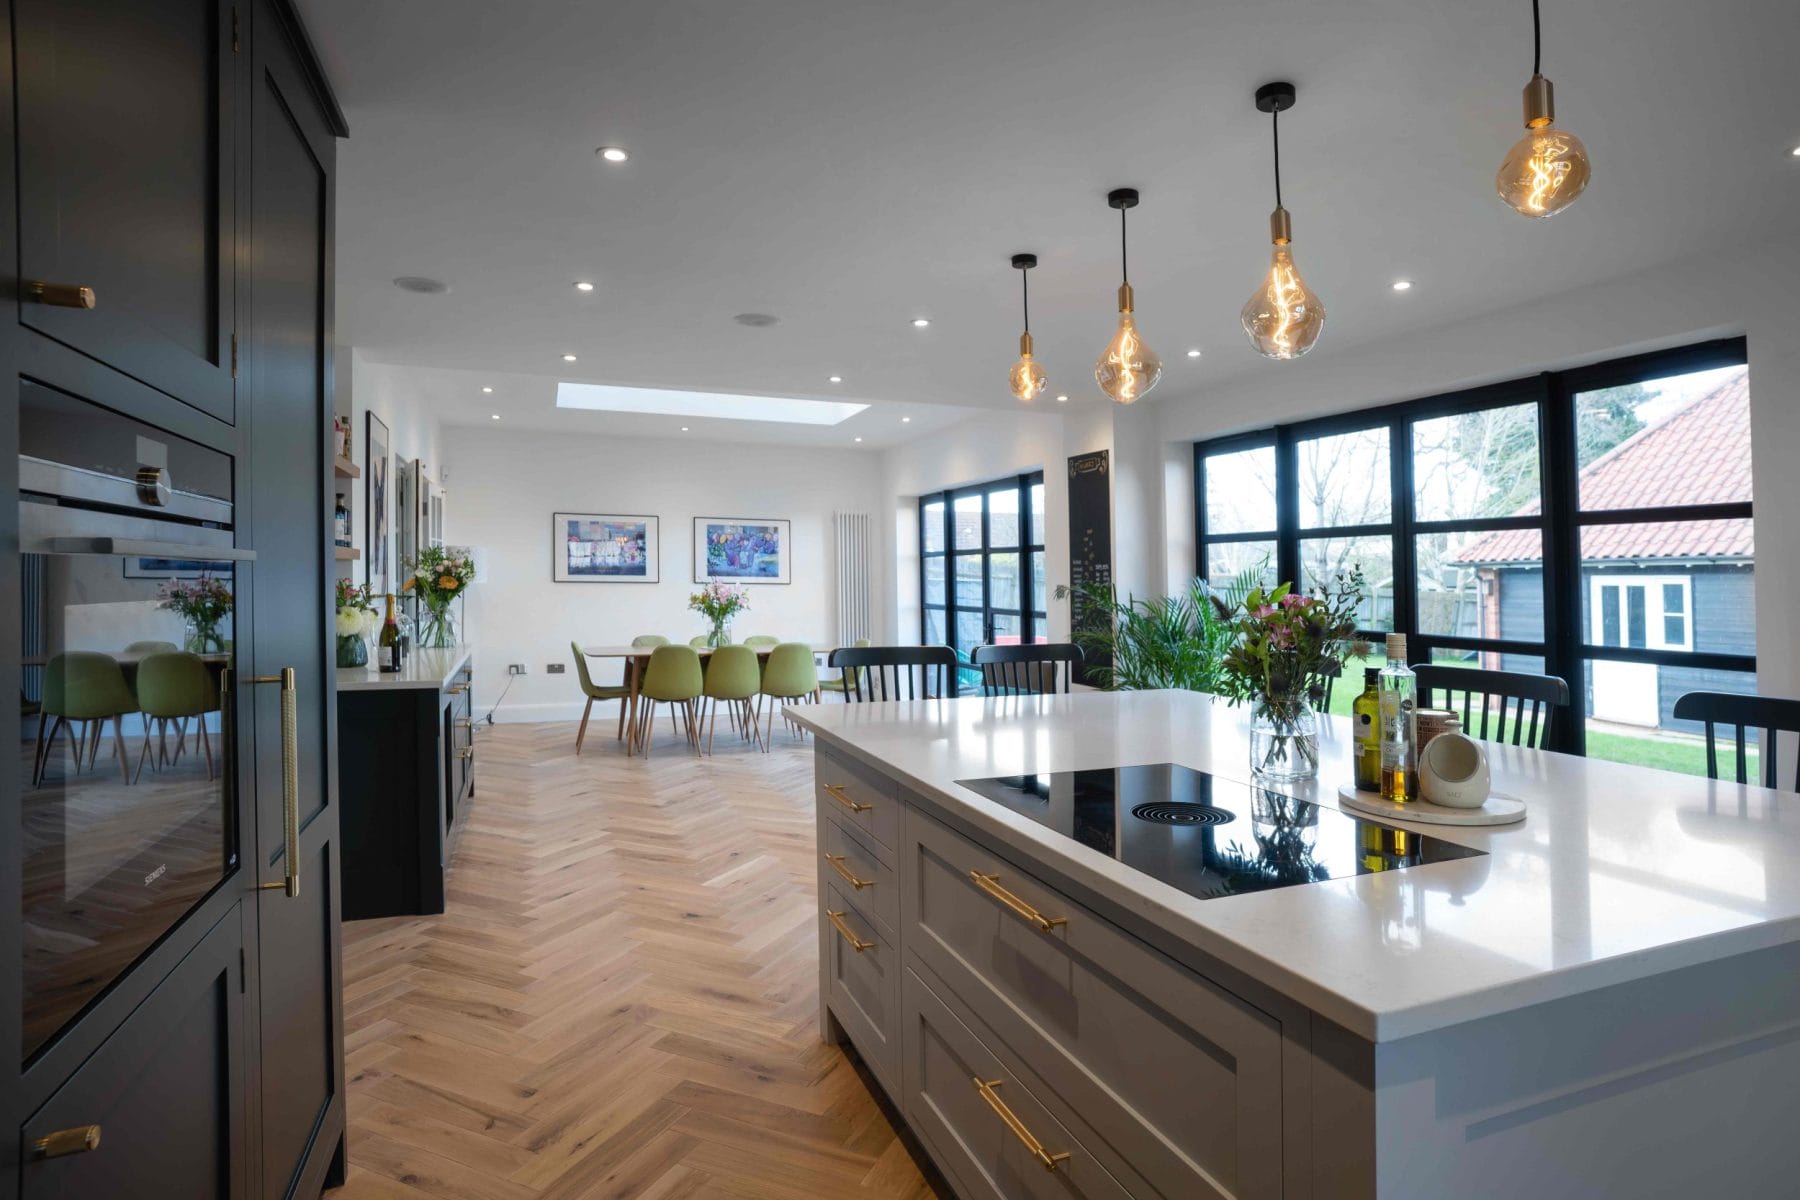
pixel 341 522
pixel 1365 711
pixel 1399 735
pixel 390 639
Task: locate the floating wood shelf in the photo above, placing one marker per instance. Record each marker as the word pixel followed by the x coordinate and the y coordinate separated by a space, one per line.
pixel 346 553
pixel 345 469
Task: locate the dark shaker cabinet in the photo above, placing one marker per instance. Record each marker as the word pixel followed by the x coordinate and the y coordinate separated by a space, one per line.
pixel 127 149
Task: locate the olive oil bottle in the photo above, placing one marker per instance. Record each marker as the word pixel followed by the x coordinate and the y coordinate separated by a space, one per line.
pixel 1365 713
pixel 1399 732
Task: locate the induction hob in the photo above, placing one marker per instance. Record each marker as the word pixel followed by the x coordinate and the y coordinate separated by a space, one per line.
pixel 1209 836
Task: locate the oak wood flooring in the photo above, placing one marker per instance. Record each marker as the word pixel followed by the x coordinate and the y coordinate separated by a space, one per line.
pixel 620 1000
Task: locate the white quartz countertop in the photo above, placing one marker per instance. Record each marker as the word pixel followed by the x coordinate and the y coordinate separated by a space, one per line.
pixel 1618 873
pixel 422 669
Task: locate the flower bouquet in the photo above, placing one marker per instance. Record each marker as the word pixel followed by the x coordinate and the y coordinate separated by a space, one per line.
pixel 718 603
pixel 1286 645
pixel 437 576
pixel 355 623
pixel 204 603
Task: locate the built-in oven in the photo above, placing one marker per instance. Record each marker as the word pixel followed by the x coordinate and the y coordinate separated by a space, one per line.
pixel 128 583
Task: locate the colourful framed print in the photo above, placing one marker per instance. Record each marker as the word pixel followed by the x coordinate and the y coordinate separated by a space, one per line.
pixel 604 548
pixel 743 550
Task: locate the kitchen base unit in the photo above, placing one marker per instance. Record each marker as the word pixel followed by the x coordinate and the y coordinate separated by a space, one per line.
pixel 1085 954
pixel 406 772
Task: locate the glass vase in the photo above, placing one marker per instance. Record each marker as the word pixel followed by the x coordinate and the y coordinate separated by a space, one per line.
pixel 203 637
pixel 437 628
pixel 352 651
pixel 720 633
pixel 1284 739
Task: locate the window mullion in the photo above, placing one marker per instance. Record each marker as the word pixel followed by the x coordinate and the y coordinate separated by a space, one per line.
pixel 1405 545
pixel 1559 470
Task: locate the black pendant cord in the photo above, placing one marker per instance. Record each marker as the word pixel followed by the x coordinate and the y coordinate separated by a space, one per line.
pixel 1537 39
pixel 1275 125
pixel 1025 292
pixel 1124 267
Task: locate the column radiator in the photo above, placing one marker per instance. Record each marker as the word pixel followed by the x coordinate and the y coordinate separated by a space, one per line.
pixel 855 566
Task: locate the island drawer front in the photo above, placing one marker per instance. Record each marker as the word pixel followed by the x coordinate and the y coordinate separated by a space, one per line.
pixel 968 1136
pixel 1180 1076
pixel 863 985
pixel 869 801
pixel 845 853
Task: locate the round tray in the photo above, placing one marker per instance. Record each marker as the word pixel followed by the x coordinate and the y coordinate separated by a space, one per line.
pixel 1499 810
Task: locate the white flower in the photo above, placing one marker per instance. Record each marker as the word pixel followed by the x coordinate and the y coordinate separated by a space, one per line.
pixel 349 621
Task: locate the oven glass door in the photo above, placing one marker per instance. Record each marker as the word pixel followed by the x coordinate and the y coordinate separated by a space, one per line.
pixel 126 765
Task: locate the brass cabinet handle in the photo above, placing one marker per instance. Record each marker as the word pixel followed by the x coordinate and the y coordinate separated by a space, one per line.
pixel 459 689
pixel 837 864
pixel 61 295
pixel 986 1088
pixel 78 1140
pixel 466 752
pixel 290 775
pixel 836 792
pixel 991 885
pixel 856 943
pixel 464 723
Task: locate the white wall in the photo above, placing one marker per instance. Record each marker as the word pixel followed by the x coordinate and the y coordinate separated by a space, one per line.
pixel 1753 290
pixel 413 432
pixel 504 486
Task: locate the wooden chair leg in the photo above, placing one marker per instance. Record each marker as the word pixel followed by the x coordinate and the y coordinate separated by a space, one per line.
pixel 143 757
pixel 582 732
pixel 119 747
pixel 623 705
pixel 37 759
pixel 753 726
pixel 712 724
pixel 649 729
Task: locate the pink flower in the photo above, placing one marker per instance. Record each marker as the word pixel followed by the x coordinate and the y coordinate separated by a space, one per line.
pixel 1295 600
pixel 1261 612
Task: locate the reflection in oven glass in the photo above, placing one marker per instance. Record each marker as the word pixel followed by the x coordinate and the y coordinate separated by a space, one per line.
pixel 125 772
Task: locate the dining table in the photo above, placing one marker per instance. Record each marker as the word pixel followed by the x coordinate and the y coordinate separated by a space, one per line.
pixel 636 657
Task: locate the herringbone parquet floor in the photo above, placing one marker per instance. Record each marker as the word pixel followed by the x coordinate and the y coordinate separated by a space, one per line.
pixel 621 998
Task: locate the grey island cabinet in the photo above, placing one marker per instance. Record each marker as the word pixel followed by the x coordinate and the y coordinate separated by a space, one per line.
pixel 406 771
pixel 1603 1000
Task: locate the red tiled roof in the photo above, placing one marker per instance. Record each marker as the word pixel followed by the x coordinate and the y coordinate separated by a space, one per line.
pixel 1699 454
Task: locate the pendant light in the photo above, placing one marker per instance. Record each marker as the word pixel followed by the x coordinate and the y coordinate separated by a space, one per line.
pixel 1547 169
pixel 1283 318
pixel 1028 379
pixel 1127 368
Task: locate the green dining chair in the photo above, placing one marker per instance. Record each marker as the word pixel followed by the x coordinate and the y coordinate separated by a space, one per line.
pixel 836 683
pixel 593 692
pixel 646 641
pixel 80 685
pixel 175 686
pixel 674 678
pixel 734 676
pixel 788 675
pixel 649 639
pixel 761 640
pixel 699 642
pixel 146 649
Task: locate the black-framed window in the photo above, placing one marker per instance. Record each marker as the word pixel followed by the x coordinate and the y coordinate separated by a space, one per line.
pixel 1594 523
pixel 981 564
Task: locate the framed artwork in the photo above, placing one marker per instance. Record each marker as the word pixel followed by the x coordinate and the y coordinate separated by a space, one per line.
pixel 743 550
pixel 602 548
pixel 377 505
pixel 175 568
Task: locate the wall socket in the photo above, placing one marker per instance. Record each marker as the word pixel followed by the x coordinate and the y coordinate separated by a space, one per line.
pixel 550 669
pixel 515 669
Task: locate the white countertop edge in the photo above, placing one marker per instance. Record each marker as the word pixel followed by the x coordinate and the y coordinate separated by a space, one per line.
pixel 423 670
pixel 1179 914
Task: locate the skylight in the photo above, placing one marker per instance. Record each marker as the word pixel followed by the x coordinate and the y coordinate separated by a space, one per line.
pixel 723 405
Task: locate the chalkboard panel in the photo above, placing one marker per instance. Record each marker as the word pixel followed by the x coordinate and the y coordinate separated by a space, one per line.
pixel 1090 544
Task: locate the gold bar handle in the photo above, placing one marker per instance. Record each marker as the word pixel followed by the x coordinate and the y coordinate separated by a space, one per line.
pixel 290 780
pixel 856 943
pixel 78 1140
pixel 837 864
pixel 459 689
pixel 61 295
pixel 991 885
pixel 466 752
pixel 836 792
pixel 986 1088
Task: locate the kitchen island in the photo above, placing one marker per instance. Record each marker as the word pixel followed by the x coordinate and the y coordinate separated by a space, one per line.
pixel 1601 1001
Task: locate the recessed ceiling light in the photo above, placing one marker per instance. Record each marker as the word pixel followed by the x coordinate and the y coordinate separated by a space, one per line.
pixel 487 390
pixel 757 320
pixel 612 154
pixel 568 358
pixel 837 379
pixel 1402 285
pixel 584 286
pixel 1062 399
pixel 495 417
pixel 906 420
pixel 421 285
pixel 1193 354
pixel 1795 152
pixel 684 429
pixel 921 322
pixel 859 439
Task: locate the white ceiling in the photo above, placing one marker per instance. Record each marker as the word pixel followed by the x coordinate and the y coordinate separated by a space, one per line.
pixel 848 165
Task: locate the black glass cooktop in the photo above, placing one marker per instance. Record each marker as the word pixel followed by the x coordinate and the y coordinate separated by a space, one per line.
pixel 1208 836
